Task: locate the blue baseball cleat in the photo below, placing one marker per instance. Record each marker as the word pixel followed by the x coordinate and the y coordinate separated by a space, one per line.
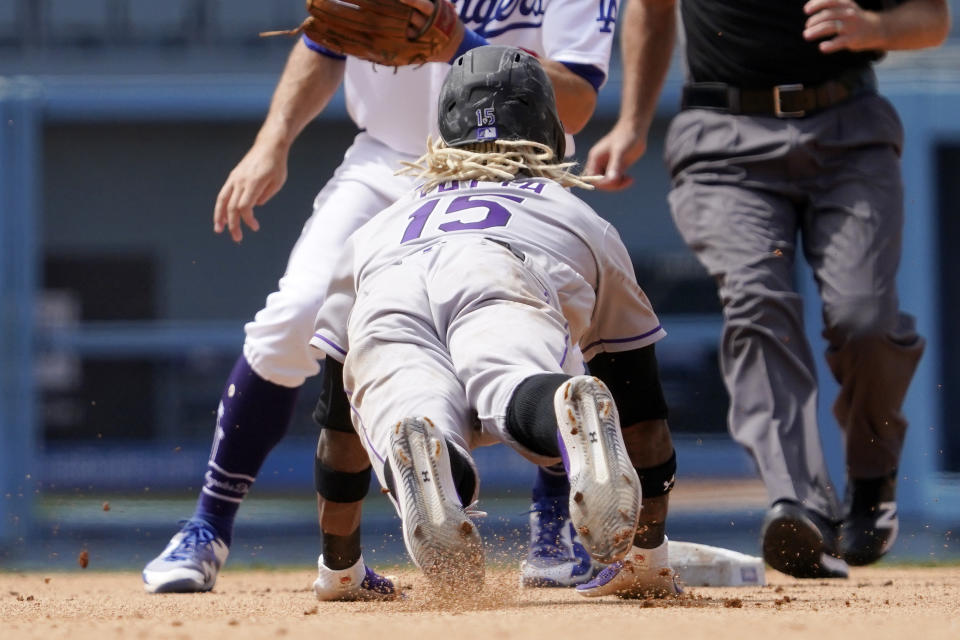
pixel 358 582
pixel 556 558
pixel 189 564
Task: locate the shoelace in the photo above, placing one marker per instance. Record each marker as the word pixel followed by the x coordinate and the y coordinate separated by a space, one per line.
pixel 550 521
pixel 195 536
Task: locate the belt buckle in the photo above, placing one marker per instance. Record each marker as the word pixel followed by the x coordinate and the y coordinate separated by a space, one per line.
pixel 778 91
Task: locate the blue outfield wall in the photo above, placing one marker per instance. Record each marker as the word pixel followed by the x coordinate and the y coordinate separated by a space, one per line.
pixel 20 131
pixel 26 105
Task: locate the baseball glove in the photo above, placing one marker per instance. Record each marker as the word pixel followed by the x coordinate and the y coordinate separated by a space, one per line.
pixel 380 31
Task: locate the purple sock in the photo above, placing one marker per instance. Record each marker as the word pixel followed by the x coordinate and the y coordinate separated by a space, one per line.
pixel 551 481
pixel 252 418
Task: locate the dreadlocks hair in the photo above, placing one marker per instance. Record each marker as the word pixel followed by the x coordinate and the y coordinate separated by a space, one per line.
pixel 496 160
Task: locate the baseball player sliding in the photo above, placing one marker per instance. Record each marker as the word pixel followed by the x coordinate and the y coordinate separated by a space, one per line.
pixel 484 290
pixel 395 110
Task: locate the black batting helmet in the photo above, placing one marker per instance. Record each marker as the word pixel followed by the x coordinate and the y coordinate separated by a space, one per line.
pixel 495 92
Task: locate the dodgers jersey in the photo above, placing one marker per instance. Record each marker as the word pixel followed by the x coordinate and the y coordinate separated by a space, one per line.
pixel 399 106
pixel 577 250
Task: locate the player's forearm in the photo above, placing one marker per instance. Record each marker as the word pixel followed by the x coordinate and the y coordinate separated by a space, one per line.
pixel 916 24
pixel 576 98
pixel 647 37
pixel 308 82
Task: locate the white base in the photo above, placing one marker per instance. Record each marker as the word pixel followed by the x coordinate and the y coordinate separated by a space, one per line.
pixel 700 565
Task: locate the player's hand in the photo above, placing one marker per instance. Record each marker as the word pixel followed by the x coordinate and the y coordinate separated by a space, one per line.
pixel 257 178
pixel 613 154
pixel 422 11
pixel 842 24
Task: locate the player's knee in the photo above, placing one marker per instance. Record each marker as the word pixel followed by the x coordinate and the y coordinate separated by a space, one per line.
pixel 759 297
pixel 333 409
pixel 282 364
pixel 341 450
pixel 275 339
pixel 859 319
pixel 633 378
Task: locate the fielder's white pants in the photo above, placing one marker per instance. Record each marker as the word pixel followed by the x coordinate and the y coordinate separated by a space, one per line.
pixel 455 327
pixel 277 340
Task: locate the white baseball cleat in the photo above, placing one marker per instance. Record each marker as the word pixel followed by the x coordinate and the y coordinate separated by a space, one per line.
pixel 604 487
pixel 439 535
pixel 643 573
pixel 189 564
pixel 358 582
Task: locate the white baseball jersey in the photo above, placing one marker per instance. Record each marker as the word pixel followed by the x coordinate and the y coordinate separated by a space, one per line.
pixel 396 109
pixel 399 107
pixel 457 295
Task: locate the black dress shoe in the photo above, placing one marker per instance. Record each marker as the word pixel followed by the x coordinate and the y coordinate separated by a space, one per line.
pixel 868 530
pixel 800 543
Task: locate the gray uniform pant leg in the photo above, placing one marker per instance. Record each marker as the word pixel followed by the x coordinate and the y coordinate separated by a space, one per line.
pixel 743 189
pixel 746 239
pixel 852 231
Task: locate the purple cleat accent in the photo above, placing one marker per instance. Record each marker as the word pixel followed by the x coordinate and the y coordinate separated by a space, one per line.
pixel 644 573
pixel 378 584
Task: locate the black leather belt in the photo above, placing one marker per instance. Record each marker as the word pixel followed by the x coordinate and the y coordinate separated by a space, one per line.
pixel 782 101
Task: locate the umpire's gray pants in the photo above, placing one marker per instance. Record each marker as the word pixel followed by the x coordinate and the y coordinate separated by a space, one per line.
pixel 744 189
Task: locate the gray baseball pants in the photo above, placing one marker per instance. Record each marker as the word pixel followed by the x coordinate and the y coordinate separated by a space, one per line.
pixel 745 188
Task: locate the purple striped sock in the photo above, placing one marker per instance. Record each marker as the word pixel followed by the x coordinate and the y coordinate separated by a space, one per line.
pixel 252 418
pixel 551 481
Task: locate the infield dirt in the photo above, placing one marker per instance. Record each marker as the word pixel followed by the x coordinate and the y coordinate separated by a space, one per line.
pixel 874 604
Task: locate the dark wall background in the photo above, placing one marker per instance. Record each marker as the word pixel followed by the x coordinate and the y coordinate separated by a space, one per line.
pixel 948 164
